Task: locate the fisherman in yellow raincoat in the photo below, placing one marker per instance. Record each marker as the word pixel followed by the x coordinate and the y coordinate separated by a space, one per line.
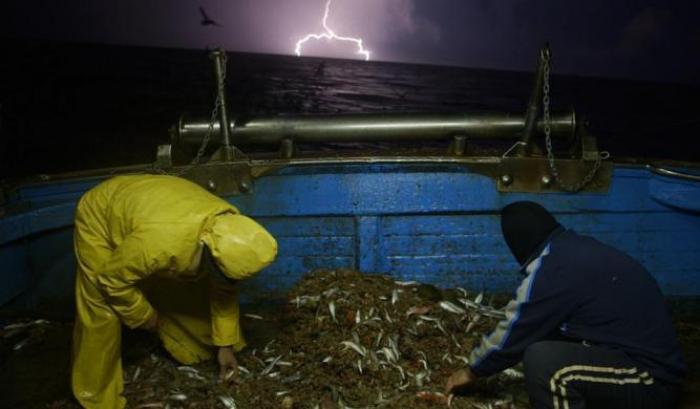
pixel 158 253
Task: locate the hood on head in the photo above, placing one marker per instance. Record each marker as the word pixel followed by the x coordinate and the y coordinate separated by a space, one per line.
pixel 526 226
pixel 239 245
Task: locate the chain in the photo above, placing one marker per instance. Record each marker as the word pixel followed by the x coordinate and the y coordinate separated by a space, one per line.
pixel 221 81
pixel 548 138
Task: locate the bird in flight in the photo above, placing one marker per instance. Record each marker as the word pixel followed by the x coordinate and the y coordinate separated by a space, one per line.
pixel 206 21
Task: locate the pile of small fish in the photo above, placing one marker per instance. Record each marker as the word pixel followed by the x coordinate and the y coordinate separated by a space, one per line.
pixel 352 340
pixel 345 340
pixel 22 334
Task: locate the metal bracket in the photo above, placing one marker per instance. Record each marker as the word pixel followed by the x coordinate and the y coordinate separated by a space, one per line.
pixel 164 156
pixel 288 148
pixel 533 175
pixel 459 145
pixel 226 154
pixel 223 179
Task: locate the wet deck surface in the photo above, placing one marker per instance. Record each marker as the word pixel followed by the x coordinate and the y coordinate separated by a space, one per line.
pixel 37 374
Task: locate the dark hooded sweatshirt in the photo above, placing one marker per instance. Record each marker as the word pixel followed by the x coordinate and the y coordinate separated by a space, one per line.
pixel 577 288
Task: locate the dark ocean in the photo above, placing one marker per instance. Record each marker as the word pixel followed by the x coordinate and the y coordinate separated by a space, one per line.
pixel 66 107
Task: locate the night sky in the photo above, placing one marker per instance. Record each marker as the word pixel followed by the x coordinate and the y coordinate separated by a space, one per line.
pixel 635 39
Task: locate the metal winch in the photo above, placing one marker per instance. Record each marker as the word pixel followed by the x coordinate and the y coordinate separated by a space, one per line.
pixel 525 167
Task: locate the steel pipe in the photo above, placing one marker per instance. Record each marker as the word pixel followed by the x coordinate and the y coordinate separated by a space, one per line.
pixel 371 128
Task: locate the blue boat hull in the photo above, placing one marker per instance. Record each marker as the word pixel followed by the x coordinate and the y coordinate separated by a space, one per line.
pixel 436 224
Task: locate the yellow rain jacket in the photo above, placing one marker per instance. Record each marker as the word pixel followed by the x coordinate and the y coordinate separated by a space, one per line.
pixel 138 242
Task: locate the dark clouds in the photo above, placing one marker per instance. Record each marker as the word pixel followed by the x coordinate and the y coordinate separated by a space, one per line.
pixel 641 39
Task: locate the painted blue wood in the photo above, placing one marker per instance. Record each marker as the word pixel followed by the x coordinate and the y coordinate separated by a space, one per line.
pixel 15 273
pixel 369 243
pixel 683 195
pixel 56 191
pixel 433 223
pixel 36 221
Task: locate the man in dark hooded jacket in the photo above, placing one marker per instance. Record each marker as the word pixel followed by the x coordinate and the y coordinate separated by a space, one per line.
pixel 588 322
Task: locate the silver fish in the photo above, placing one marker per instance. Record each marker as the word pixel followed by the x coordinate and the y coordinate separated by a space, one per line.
pixel 494 313
pixel 450 307
pixel 331 308
pixel 227 401
pixel 457 344
pixel 401 372
pixel 422 376
pixel 425 364
pixel 267 348
pixel 394 345
pixel 270 366
pixel 387 317
pixel 412 329
pixel 191 373
pixel 253 316
pixel 357 348
pixel 305 299
pixel 463 359
pixel 187 369
pixel 472 323
pixel 330 292
pixel 378 341
pixel 439 326
pixel 293 378
pixel 180 397
pixel 21 344
pixel 25 324
pixel 381 400
pixel 137 372
pixel 389 355
pixel 513 373
pixel 394 296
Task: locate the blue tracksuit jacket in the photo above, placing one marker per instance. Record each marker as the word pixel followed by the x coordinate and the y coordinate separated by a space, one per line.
pixel 581 289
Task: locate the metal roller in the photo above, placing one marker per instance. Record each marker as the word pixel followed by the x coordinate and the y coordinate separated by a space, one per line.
pixel 378 127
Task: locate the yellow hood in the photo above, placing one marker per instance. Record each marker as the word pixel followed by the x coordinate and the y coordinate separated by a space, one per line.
pixel 240 246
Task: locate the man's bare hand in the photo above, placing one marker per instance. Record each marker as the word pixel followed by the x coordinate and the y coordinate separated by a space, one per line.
pixel 152 323
pixel 228 365
pixel 459 380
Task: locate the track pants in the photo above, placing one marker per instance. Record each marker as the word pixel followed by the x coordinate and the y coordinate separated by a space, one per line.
pixel 572 375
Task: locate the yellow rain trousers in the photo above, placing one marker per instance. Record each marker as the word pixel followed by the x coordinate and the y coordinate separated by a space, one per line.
pixel 138 243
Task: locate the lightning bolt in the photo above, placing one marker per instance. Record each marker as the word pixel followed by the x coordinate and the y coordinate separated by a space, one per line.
pixel 329 34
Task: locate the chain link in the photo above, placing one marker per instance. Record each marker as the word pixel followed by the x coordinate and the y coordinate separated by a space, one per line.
pixel 548 137
pixel 221 83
